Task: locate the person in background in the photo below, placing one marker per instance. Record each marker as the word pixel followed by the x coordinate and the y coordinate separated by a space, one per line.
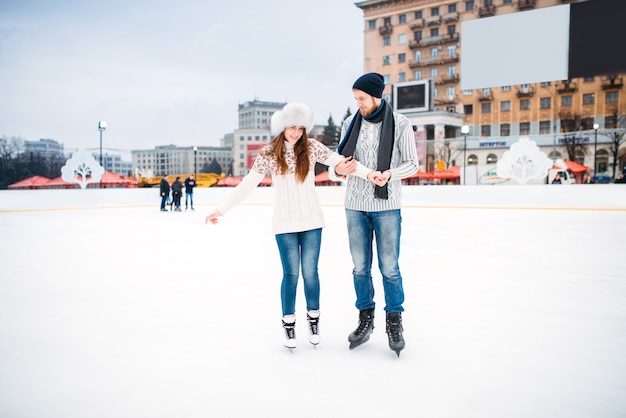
pixel 177 191
pixel 190 184
pixel 383 140
pixel 588 179
pixel 297 214
pixel 164 190
pixel 557 179
pixel 620 178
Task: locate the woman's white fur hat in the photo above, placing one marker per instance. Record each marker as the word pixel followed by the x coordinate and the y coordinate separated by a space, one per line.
pixel 293 114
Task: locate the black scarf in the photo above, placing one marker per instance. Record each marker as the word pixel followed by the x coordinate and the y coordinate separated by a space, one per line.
pixel 385 143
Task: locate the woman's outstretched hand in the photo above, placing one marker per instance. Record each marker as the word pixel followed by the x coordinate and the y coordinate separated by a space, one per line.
pixel 212 217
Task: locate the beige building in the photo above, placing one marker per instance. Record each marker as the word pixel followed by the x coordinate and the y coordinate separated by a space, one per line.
pixel 413 40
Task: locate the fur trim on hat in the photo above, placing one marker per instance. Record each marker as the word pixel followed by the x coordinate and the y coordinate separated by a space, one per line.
pixel 293 114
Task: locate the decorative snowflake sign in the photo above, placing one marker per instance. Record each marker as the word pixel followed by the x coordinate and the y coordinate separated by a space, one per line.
pixel 82 168
pixel 523 162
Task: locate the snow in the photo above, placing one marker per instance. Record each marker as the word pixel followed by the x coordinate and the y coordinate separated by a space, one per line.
pixel 515 307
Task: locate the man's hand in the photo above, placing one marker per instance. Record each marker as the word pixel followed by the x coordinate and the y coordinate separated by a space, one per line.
pixel 347 166
pixel 378 178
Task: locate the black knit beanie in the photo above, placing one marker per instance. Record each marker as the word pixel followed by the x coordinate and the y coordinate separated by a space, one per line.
pixel 371 83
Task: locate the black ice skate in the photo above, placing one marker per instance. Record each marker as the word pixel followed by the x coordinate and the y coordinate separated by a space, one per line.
pixel 362 332
pixel 290 334
pixel 313 317
pixel 394 332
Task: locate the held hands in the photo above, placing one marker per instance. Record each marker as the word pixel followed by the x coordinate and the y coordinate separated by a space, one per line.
pixel 212 217
pixel 378 178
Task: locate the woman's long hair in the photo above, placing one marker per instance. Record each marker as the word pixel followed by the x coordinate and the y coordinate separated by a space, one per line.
pixel 301 152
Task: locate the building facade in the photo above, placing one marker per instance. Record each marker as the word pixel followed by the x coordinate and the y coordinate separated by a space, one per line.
pixel 419 40
pixel 171 159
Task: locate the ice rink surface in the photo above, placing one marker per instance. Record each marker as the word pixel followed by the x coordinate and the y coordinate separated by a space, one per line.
pixel 515 308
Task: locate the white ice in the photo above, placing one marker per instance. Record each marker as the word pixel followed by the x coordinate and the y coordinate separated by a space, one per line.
pixel 515 307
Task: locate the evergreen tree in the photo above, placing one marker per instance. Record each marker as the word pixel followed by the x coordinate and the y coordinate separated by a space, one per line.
pixel 331 132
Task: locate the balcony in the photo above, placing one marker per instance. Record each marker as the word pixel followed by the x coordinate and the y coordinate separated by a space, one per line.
pixel 434 40
pixel 566 87
pixel 445 100
pixel 485 97
pixel 486 11
pixel 417 24
pixel 433 20
pixel 447 79
pixel 438 60
pixel 612 83
pixel 525 91
pixel 526 5
pixel 387 29
pixel 451 17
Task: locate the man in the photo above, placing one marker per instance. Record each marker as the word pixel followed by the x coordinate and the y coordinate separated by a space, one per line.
pixel 164 189
pixel 177 191
pixel 382 140
pixel 190 183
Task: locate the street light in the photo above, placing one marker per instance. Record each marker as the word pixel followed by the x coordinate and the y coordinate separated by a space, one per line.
pixel 102 125
pixel 195 152
pixel 595 150
pixel 464 131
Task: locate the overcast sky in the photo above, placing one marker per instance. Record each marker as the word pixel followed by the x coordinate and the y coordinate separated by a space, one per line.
pixel 169 72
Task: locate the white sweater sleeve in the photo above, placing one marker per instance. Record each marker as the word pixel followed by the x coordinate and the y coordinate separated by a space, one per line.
pixel 243 190
pixel 335 158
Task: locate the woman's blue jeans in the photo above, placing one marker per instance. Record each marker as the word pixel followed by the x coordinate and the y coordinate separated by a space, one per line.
pixel 384 227
pixel 300 249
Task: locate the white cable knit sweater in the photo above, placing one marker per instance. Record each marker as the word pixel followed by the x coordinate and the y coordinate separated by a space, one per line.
pixel 296 205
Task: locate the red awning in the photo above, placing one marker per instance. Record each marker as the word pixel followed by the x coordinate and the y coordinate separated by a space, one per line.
pixel 34 182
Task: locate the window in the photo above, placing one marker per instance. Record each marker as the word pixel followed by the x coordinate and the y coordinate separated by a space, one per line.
pixel 451 71
pixel 434 52
pixel 417 35
pixel 434 32
pixel 402 18
pixel 450 91
pixel 611 97
pixel 434 11
pixel 386 40
pixel 589 98
pixel 417 75
pixel 544 127
pixel 417 55
pixel 387 78
pixel 524 104
pixel 472 159
pixel 488 2
pixel 402 57
pixel 485 108
pixel 485 130
pixel 372 24
pixel 469 5
pixel 506 88
pixel 435 92
pixel 387 60
pixel 451 30
pixel 545 103
pixel 402 39
pixel 566 100
pixel 524 128
pixel 418 14
pixel 505 129
pixel 401 77
pixel 507 1
pixel 492 159
pixel 602 160
pixel 468 109
pixel 451 8
pixel 451 51
pixel 505 106
pixel 387 21
pixel 434 72
pixel 610 122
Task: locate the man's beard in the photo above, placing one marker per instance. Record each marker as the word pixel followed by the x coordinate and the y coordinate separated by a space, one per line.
pixel 368 111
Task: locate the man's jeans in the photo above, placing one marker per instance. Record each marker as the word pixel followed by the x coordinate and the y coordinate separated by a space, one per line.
pixel 363 228
pixel 300 248
pixel 189 198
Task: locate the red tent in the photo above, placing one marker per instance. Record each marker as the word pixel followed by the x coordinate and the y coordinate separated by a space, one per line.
pixel 34 182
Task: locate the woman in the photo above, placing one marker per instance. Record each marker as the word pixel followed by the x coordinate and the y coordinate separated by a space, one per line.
pixel 297 219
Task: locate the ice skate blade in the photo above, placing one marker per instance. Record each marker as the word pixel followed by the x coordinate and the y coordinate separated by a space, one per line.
pixel 354 345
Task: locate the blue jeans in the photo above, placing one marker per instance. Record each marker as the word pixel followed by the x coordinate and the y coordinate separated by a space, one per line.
pixel 300 248
pixel 363 228
pixel 188 198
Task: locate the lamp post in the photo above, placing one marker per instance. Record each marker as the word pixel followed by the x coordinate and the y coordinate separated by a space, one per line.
pixel 595 150
pixel 102 125
pixel 195 153
pixel 464 131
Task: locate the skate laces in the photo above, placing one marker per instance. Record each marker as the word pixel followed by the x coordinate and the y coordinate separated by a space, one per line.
pixel 313 324
pixel 290 330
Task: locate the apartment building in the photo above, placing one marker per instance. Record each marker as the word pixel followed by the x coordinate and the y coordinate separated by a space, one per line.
pixel 171 159
pixel 413 41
